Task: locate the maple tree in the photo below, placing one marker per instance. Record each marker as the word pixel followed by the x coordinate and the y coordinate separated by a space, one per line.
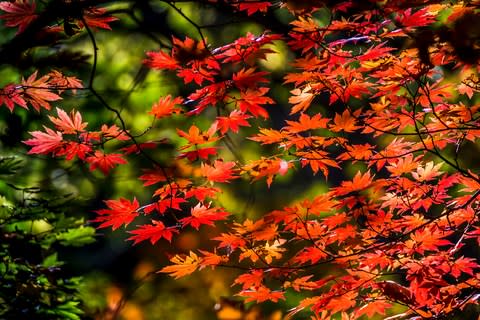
pixel 387 89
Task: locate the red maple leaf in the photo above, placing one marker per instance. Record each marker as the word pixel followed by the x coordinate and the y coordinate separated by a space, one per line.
pixel 201 153
pixel 152 232
pixel 310 255
pixel 233 121
pixel 419 18
pixel 120 212
pixel 19 13
pixel 166 106
pixel 68 124
pixel 201 193
pixel 37 92
pixel 137 148
pixel 428 239
pixel 201 214
pixel 195 73
pixel 211 259
pixel 251 8
pixel 395 291
pixel 161 60
pixel 209 95
pixel 97 18
pixel 251 99
pixel 11 95
pixel 72 149
pixel 153 176
pixel 248 49
pixel 247 78
pixel 190 50
pixel 167 203
pixel 375 52
pixel 105 162
pixel 197 63
pixel 465 265
pixel 219 172
pixel 45 142
pixel 61 82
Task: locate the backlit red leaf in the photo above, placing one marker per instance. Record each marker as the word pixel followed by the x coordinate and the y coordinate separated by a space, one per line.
pixel 219 172
pixel 68 124
pixel 18 13
pixel 152 232
pixel 120 212
pixel 45 142
pixel 166 106
pixel 105 162
pixel 203 215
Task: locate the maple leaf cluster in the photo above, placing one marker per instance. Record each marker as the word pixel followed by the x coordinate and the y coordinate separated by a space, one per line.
pixel 72 140
pixel 395 233
pixel 21 13
pixel 38 92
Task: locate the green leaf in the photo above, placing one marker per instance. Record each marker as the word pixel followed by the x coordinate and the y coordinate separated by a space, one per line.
pixel 10 165
pixel 51 261
pixel 77 237
pixel 6 208
pixel 68 310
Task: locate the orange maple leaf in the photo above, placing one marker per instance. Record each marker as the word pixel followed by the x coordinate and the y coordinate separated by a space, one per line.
pixel 261 294
pixel 219 172
pixel 301 99
pixel 345 122
pixel 359 182
pixel 269 136
pixel 183 266
pixel 61 82
pixel 305 122
pixel 196 137
pixel 370 309
pixel 165 106
pixel 253 278
pixel 266 168
pixel 37 92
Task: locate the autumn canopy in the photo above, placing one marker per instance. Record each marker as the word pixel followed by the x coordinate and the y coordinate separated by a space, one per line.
pixel 376 100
